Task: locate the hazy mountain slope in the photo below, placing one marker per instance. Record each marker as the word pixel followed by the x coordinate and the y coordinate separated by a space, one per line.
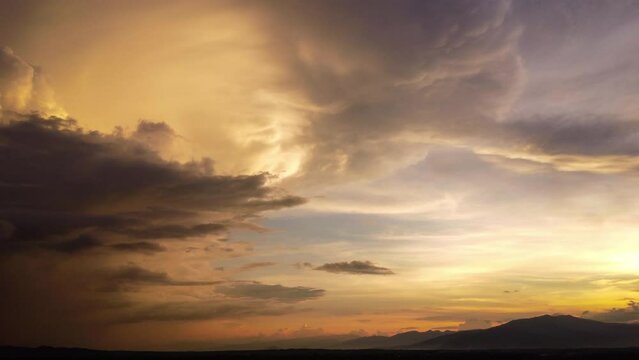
pixel 387 342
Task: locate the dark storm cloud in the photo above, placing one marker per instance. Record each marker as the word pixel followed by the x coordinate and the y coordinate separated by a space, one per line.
pixel 270 292
pixel 355 267
pixel 471 324
pixel 57 180
pixel 75 204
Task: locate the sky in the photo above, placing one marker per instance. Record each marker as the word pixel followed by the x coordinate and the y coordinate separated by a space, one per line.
pixel 188 174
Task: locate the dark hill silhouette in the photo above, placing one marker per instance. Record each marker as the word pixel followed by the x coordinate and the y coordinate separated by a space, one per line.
pixel 388 342
pixel 548 332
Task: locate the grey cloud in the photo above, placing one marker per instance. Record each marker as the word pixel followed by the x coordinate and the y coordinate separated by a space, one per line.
pixel 430 67
pixel 303 265
pixel 355 267
pixel 175 231
pixel 470 324
pixel 140 247
pixel 628 314
pixel 270 292
pixel 156 135
pixel 128 277
pixel 589 135
pixel 58 180
pixel 202 310
pixel 256 265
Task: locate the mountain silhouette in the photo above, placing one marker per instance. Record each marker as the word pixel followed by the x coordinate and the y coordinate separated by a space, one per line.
pixel 388 342
pixel 548 332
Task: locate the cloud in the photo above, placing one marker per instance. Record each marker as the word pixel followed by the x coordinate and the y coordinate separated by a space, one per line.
pixel 131 276
pixel 107 184
pixel 256 265
pixel 270 292
pixel 629 314
pixel 363 120
pixel 140 246
pixel 156 135
pixel 75 245
pixel 303 265
pixel 200 310
pixel 175 231
pixel 80 208
pixel 355 267
pixel 23 87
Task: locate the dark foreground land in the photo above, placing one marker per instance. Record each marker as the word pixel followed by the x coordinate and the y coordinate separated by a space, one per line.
pixel 52 353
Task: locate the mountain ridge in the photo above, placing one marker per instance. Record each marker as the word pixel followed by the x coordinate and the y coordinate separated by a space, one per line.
pixel 388 342
pixel 546 331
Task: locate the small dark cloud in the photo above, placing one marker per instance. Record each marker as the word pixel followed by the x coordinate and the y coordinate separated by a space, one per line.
pixel 156 135
pixel 303 265
pixel 256 265
pixel 139 246
pixel 628 314
pixel 23 87
pixel 281 293
pixel 511 291
pixel 55 175
pixel 201 310
pixel 174 231
pixel 131 276
pixel 410 328
pixel 355 267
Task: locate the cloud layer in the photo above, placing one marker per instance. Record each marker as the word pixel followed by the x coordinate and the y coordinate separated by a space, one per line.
pixel 355 267
pixel 270 292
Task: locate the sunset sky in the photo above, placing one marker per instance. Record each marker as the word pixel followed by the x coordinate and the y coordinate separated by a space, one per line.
pixel 186 174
